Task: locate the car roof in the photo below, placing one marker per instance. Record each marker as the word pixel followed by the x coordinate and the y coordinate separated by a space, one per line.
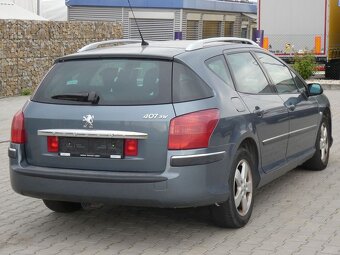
pixel 155 49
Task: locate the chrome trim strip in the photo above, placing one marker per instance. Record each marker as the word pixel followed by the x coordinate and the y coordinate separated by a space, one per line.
pixel 93 133
pixel 302 130
pixel 196 159
pixel 295 132
pixel 198 155
pixel 270 140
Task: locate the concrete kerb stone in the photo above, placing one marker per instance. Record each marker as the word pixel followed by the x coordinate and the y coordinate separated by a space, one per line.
pixel 326 84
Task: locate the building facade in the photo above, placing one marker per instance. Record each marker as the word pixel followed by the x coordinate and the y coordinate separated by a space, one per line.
pixel 171 19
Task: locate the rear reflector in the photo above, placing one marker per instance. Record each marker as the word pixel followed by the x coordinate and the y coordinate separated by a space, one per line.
pixel 131 147
pixel 18 128
pixel 52 144
pixel 193 130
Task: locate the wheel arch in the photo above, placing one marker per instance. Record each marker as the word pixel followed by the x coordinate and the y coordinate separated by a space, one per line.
pixel 327 113
pixel 250 145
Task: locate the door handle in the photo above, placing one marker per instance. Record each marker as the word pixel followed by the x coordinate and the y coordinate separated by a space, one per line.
pixel 291 107
pixel 258 111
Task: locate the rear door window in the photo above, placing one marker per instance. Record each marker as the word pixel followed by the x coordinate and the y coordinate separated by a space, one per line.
pixel 115 81
pixel 248 75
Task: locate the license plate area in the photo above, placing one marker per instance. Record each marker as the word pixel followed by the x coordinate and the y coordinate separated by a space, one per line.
pixel 91 147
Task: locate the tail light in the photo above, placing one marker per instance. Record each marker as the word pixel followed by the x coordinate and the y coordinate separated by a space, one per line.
pixel 193 130
pixel 18 128
pixel 131 147
pixel 52 144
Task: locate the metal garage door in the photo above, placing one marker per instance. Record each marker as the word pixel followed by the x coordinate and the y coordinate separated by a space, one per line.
pixel 192 29
pixel 94 13
pixel 211 29
pixel 152 29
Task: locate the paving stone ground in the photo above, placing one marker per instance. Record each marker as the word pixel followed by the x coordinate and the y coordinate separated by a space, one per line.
pixel 296 214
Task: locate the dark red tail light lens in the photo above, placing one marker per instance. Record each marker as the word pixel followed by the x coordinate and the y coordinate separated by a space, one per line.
pixel 131 147
pixel 193 130
pixel 52 144
pixel 18 128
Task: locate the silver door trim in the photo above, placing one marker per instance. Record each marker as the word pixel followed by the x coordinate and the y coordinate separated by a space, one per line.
pixel 272 139
pixel 93 133
pixel 198 155
pixel 292 133
pixel 196 159
pixel 302 130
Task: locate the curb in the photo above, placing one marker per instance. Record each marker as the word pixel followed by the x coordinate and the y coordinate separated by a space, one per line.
pixel 331 86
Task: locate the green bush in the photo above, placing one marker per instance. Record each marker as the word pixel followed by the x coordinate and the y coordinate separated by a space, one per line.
pixel 304 65
pixel 26 92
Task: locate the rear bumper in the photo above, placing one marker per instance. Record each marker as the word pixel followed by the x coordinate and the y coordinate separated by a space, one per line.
pixel 184 186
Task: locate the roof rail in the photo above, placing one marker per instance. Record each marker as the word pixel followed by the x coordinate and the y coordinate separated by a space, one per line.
pixel 200 43
pixel 96 45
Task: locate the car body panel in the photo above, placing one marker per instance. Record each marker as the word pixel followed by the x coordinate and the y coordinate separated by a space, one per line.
pixel 39 116
pixel 304 119
pixel 272 128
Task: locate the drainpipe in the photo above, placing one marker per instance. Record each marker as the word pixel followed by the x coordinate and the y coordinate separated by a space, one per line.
pixel 38 7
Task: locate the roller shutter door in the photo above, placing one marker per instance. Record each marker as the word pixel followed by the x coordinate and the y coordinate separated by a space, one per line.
pixel 228 28
pixel 192 29
pixel 211 29
pixel 152 29
pixel 94 13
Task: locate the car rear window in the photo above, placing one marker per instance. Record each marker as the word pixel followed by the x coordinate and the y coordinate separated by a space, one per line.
pixel 114 81
pixel 187 85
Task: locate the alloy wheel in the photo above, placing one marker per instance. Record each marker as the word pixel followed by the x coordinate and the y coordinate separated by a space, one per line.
pixel 323 142
pixel 243 187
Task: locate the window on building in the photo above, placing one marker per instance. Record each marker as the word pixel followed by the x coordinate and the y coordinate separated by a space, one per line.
pixel 244 32
pixel 228 28
pixel 192 30
pixel 211 29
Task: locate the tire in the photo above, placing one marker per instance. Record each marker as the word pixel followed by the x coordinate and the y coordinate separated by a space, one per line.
pixel 319 161
pixel 61 206
pixel 231 214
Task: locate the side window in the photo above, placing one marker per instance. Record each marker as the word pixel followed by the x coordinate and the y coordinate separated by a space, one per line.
pixel 299 83
pixel 279 73
pixel 187 86
pixel 218 66
pixel 248 75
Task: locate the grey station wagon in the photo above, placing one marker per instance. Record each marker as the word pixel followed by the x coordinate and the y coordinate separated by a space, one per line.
pixel 169 124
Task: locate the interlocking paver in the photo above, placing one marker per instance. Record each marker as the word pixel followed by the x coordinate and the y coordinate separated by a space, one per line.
pixel 296 214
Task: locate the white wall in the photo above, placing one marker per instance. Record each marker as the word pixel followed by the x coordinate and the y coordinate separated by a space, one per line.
pixel 292 21
pixel 49 9
pixel 29 5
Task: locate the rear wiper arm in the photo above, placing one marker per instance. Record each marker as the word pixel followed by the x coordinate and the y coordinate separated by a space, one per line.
pixel 82 97
pixel 72 96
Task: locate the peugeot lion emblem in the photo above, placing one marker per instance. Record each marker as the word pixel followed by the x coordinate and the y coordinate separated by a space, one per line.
pixel 88 121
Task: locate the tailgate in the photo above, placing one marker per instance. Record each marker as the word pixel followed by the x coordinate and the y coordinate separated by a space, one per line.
pixel 90 146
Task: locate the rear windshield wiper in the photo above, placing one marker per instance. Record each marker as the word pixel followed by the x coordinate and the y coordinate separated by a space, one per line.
pixel 81 97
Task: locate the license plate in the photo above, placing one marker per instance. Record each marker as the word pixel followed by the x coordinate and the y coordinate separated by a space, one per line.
pixel 91 147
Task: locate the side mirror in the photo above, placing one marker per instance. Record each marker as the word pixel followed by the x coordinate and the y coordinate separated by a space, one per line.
pixel 314 89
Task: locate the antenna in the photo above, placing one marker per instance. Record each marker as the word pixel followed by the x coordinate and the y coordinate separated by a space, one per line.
pixel 144 43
